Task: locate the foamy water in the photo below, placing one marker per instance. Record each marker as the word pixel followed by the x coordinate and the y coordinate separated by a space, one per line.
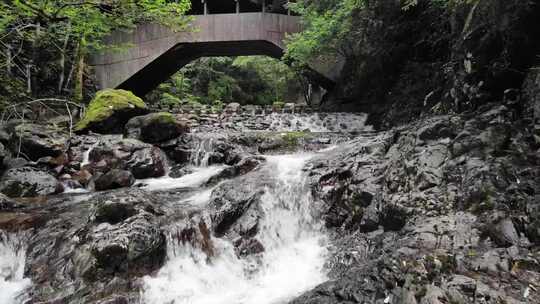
pixel 291 263
pixel 12 259
pixel 319 122
pixel 195 179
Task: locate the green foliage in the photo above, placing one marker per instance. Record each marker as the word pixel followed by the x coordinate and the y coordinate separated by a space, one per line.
pixel 221 88
pixel 246 80
pixel 332 27
pixel 106 103
pixel 54 37
pixel 217 106
pixel 325 24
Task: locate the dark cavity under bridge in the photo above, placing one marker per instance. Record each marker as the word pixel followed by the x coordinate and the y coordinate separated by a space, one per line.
pixel 156 52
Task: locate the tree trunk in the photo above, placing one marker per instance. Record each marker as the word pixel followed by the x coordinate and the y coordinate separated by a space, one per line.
pixel 79 77
pixel 72 69
pixel 29 79
pixel 8 60
pixel 33 86
pixel 62 63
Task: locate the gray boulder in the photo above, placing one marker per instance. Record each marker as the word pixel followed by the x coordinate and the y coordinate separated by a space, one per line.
pixel 155 127
pixel 136 243
pixel 114 179
pixel 35 141
pixel 28 182
pixel 141 159
pixel 233 204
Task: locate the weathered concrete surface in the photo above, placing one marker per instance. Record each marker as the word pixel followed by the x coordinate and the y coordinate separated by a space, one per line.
pixel 156 52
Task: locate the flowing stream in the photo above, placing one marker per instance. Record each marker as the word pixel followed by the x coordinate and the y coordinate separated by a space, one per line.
pixel 12 259
pixel 293 240
pixel 291 263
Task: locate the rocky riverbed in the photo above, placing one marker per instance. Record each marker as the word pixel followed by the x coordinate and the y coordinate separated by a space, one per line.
pixel 442 210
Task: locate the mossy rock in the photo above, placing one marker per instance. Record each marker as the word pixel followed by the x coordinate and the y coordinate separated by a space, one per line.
pixel 294 138
pixel 282 141
pixel 155 127
pixel 110 110
pixel 277 106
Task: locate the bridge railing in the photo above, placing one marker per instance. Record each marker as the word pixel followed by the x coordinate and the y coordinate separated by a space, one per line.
pixel 207 7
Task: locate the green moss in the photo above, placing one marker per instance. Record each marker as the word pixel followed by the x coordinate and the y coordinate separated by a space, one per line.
pixel 292 138
pixel 163 118
pixel 278 104
pixel 105 103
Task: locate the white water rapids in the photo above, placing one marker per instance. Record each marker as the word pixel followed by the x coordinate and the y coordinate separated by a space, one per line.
pixel 291 263
pixel 12 259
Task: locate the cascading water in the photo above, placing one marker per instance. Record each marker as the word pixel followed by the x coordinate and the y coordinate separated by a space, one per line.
pixel 12 259
pixel 86 155
pixel 291 263
pixel 325 122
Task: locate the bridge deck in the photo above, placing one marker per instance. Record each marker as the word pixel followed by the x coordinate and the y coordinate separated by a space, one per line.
pixel 231 34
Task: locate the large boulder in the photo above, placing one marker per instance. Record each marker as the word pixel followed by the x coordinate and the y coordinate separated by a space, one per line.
pixel 235 207
pixel 141 159
pixel 114 179
pixel 134 245
pixel 35 141
pixel 109 111
pixel 155 127
pixel 28 182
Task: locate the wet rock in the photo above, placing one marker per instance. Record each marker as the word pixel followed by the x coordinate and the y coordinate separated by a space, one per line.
pixel 437 128
pixel 2 153
pixel 28 182
pixel 531 92
pixel 504 233
pixel 246 165
pixel 110 110
pixel 147 162
pixel 17 162
pixel 180 170
pixel 393 217
pixel 113 211
pixel 83 177
pixel 229 202
pixel 35 141
pixel 7 204
pixel 114 179
pixel 135 245
pixel 115 300
pixel 288 107
pixel 16 221
pixel 155 127
pixel 232 107
pixel 142 159
pixel 248 246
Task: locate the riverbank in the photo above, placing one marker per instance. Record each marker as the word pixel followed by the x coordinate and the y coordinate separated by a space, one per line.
pixel 442 209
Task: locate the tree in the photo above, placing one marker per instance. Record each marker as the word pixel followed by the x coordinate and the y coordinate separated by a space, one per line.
pixel 39 37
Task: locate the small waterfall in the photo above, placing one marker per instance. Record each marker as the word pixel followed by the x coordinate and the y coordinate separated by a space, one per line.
pixel 86 155
pixel 12 259
pixel 291 263
pixel 201 154
pixel 318 122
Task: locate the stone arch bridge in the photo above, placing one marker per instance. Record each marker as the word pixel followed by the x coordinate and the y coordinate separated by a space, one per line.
pixel 156 52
